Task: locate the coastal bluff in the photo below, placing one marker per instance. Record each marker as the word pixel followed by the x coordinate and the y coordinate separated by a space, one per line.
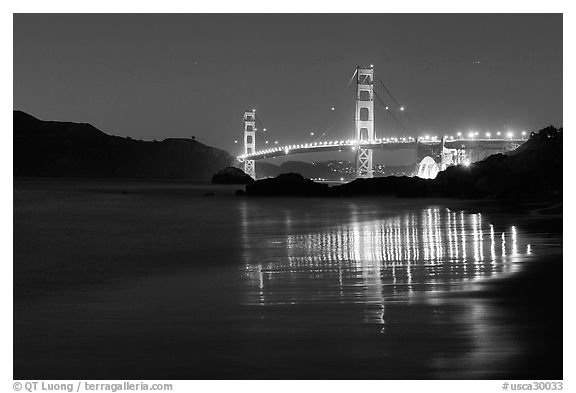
pixel 65 149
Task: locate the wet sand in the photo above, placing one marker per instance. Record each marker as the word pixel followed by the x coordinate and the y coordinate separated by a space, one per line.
pixel 157 280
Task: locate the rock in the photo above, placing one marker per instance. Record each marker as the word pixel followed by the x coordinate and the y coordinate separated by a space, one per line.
pixel 287 184
pixel 231 175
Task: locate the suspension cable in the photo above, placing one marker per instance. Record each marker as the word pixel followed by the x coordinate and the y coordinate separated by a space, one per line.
pixel 390 113
pixel 408 116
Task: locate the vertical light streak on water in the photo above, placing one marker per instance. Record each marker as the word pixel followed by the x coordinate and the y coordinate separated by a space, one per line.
pixel 492 248
pixel 341 239
pixel 415 238
pixel 450 243
pixel 481 238
pixel 463 237
pixel 407 243
pixel 382 233
pixel 391 245
pixel 371 266
pixel 332 255
pixel 431 242
pixel 377 246
pixel 503 237
pixel 396 252
pixel 357 244
pixel 262 300
pixel 514 235
pixel 514 241
pixel 476 245
pixel 384 242
pixel 438 236
pixel 455 232
pixel 350 244
pixel 424 225
pixel 430 236
pixel 399 246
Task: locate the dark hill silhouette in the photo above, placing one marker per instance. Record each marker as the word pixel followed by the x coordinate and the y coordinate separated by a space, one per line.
pixel 64 149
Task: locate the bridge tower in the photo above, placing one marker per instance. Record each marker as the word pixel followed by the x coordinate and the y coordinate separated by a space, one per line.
pixel 364 120
pixel 250 141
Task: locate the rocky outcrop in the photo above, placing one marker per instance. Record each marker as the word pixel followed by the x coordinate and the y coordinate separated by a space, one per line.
pixel 231 175
pixel 287 184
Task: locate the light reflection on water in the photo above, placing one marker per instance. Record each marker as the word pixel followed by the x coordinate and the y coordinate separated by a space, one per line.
pixel 391 259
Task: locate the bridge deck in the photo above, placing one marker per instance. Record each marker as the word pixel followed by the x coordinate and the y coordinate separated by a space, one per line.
pixel 386 144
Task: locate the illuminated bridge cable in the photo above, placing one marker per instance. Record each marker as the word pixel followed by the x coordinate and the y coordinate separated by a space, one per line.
pixel 398 132
pixel 337 119
pixel 259 123
pixel 262 132
pixel 389 93
pixel 391 115
pixel 341 112
pixel 408 116
pixel 340 103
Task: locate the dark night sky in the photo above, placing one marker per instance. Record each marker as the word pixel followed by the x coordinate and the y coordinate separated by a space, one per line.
pixel 158 75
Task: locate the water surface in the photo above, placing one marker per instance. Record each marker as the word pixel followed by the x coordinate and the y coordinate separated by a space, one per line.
pixel 156 280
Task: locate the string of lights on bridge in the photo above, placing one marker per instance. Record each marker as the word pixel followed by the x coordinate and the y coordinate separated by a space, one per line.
pixel 472 136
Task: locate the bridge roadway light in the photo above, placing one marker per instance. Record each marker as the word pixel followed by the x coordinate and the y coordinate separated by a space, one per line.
pixel 386 108
pixel 488 134
pixel 510 134
pixel 523 133
pixel 459 134
pixel 235 141
pixel 276 142
pixel 471 135
pixel 312 133
pixel 333 109
pixel 498 133
pixel 401 108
